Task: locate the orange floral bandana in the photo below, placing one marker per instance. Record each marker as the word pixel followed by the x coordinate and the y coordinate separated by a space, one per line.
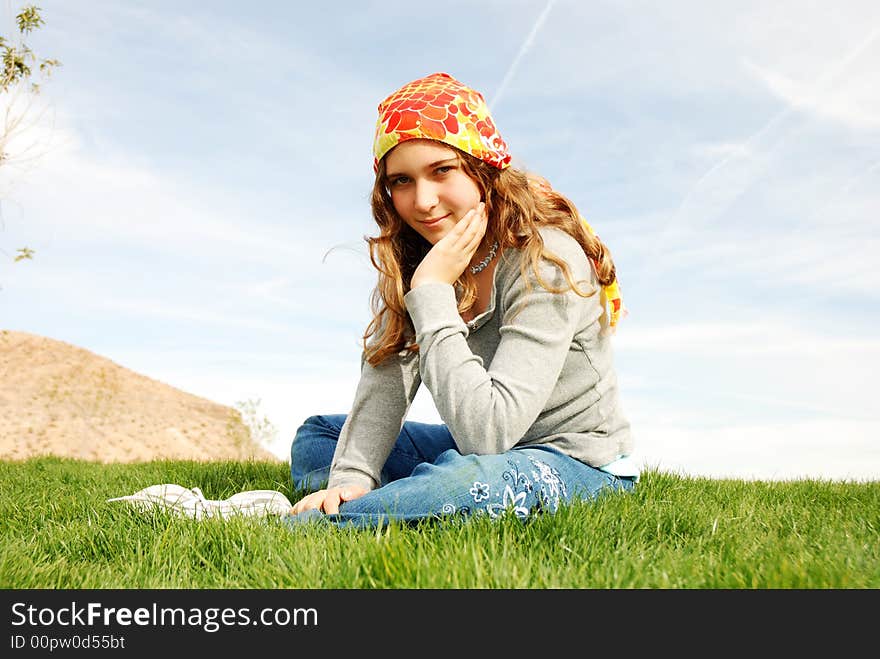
pixel 439 107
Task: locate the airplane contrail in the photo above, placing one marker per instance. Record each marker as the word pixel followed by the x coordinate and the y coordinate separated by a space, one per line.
pixel 825 79
pixel 511 70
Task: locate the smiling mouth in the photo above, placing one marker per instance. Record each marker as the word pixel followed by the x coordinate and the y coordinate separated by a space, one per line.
pixel 430 223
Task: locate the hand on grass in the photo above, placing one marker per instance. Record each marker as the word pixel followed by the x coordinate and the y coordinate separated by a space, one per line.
pixel 328 501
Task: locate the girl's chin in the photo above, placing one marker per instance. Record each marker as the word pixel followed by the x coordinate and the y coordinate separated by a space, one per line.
pixel 435 237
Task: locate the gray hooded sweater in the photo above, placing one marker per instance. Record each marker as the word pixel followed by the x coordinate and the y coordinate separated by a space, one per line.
pixel 534 368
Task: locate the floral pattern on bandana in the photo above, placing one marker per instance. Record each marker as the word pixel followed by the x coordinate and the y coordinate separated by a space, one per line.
pixel 439 107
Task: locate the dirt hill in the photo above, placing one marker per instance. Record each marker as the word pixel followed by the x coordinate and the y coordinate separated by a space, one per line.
pixel 58 399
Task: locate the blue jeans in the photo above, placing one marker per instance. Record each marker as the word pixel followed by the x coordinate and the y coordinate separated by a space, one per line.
pixel 425 477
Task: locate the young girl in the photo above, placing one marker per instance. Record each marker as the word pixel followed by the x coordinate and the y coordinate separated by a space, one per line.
pixel 493 292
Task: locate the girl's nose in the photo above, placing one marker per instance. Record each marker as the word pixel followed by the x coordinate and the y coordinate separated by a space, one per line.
pixel 426 197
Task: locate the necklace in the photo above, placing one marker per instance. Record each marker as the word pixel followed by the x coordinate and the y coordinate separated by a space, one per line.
pixel 482 264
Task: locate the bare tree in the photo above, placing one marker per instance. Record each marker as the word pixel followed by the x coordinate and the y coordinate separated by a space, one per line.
pixel 22 72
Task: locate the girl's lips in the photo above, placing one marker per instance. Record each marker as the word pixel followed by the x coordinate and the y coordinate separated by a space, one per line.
pixel 434 223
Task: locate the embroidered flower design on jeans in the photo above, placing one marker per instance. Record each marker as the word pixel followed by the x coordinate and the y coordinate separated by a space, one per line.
pixel 514 496
pixel 510 502
pixel 552 486
pixel 479 491
pixel 523 493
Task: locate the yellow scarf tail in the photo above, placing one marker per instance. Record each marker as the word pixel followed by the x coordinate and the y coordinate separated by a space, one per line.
pixel 613 299
pixel 614 308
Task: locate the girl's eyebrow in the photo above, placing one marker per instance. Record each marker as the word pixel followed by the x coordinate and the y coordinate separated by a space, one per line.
pixel 428 166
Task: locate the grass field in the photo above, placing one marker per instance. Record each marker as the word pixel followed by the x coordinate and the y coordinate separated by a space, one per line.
pixel 57 531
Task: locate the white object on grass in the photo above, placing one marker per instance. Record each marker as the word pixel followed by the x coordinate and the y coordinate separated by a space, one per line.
pixel 192 503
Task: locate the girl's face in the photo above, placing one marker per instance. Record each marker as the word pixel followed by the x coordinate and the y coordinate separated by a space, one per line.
pixel 429 189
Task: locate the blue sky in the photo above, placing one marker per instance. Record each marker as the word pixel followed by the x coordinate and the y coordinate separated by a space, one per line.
pixel 200 197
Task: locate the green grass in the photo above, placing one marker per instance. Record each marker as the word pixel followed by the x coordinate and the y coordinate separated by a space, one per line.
pixel 57 531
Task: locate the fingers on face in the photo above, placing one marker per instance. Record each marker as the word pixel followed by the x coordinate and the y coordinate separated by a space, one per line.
pixel 472 227
pixel 478 227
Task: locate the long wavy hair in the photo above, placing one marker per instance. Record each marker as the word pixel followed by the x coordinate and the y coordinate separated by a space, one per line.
pixel 517 204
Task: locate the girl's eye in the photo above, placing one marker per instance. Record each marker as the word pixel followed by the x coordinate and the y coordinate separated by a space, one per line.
pixel 399 180
pixel 444 169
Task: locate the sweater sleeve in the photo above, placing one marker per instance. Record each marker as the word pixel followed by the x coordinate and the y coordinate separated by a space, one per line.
pixel 489 410
pixel 382 400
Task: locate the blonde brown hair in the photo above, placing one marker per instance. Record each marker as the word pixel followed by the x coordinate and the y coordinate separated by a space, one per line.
pixel 517 203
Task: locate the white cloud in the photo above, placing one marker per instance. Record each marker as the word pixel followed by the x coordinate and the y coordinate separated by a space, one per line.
pixel 116 201
pixel 816 448
pixel 851 97
pixel 720 151
pixel 748 337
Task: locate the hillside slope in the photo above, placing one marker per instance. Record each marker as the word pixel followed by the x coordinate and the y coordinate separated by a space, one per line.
pixel 59 399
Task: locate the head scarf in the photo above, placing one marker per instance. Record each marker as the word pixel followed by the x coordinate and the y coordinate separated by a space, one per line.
pixel 439 107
